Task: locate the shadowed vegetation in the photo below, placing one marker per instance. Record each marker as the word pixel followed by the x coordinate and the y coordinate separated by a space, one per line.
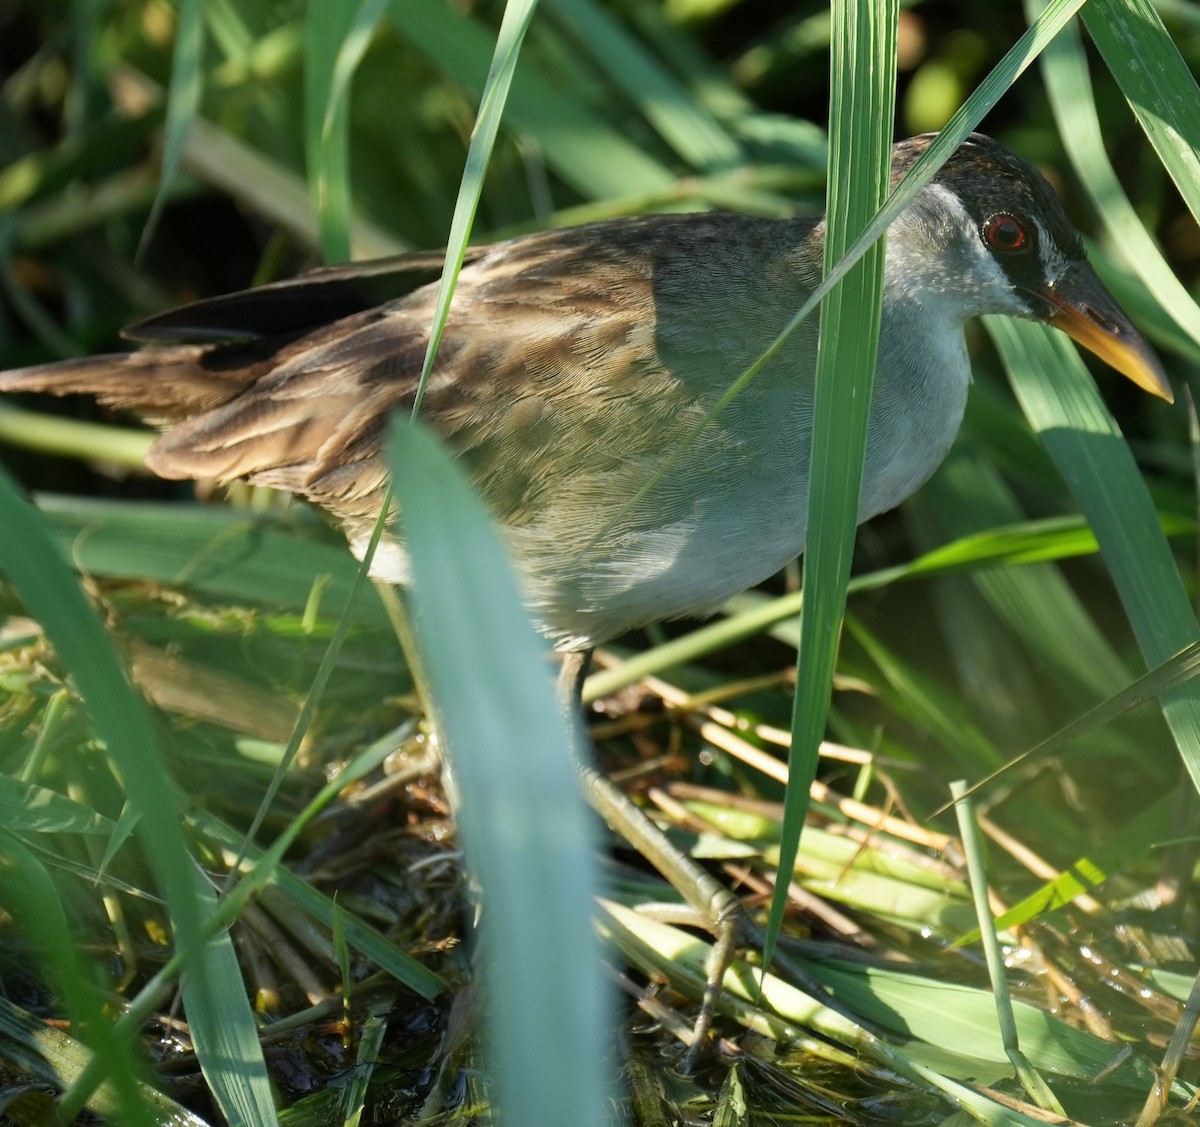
pixel 296 845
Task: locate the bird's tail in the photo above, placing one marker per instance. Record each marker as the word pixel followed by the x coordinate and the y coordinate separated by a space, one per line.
pixel 162 385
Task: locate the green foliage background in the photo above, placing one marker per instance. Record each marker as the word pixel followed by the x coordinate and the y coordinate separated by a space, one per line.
pixel 1012 626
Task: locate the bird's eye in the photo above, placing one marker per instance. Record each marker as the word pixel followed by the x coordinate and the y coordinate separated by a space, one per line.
pixel 1005 233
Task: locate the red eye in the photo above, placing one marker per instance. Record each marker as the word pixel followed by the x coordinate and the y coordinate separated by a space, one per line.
pixel 1004 233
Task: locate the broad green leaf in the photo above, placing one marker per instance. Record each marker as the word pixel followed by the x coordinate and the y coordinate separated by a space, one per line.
pixel 528 836
pixel 1062 403
pixel 1156 81
pixel 225 1035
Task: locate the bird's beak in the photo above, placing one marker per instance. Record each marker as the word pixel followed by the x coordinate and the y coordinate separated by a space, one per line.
pixel 1081 307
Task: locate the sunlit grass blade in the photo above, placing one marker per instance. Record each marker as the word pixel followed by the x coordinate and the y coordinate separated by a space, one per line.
pixel 517 15
pixel 862 108
pixel 529 838
pixel 1022 542
pixel 1068 83
pixel 1129 844
pixel 1156 81
pixel 1062 403
pixel 31 430
pixel 697 137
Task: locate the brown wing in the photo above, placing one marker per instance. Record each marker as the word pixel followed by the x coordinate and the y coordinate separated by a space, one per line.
pixel 291 385
pixel 551 344
pixel 535 323
pixel 295 305
pixel 207 352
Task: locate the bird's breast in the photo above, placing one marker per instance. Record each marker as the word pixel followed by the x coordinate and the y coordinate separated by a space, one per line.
pixel 920 395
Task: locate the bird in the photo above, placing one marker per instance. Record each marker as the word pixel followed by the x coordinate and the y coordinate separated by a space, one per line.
pixel 576 381
pixel 575 364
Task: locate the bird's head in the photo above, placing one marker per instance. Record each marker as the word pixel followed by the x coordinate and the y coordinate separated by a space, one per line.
pixel 989 235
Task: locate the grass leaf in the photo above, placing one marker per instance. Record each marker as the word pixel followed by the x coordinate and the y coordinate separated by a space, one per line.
pixel 183 102
pixel 1062 403
pixel 528 836
pixel 52 594
pixel 863 98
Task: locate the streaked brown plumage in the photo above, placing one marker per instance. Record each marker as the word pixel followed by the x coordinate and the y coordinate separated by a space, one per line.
pixel 576 360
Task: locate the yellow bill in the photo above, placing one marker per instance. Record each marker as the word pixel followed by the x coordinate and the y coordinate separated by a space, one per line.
pixel 1081 307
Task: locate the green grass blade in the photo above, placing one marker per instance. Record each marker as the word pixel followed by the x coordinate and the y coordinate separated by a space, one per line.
pixel 1037 603
pixel 1063 405
pixel 669 106
pixel 225 1035
pixel 963 1018
pixel 269 866
pixel 863 92
pixel 183 102
pixel 52 595
pixel 56 1058
pixel 528 836
pixel 336 36
pixel 890 1000
pixel 1156 81
pixel 327 30
pixel 32 430
pixel 1177 670
pixel 931 705
pixel 1023 542
pixel 1139 838
pixel 214 550
pixel 590 155
pixel 517 15
pixel 266 866
pixel 1065 69
pixel 26 807
pixel 972 842
pixel 31 897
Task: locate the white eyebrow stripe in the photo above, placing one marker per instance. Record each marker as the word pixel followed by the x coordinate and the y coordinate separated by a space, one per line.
pixel 1054 262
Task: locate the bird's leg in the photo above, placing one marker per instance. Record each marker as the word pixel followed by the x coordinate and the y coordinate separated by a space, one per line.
pixel 571 675
pixel 715 907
